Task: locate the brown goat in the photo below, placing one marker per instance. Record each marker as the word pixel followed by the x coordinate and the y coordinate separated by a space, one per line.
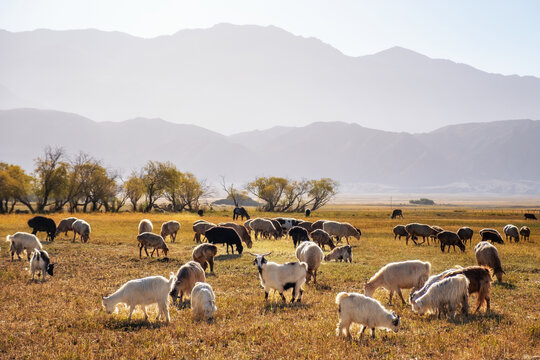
pixel 479 282
pixel 204 255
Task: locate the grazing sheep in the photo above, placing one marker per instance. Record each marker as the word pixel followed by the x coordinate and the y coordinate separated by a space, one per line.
pixel 425 231
pixel 263 226
pixel 200 212
pixel 278 227
pixel 281 277
pixel 81 228
pixel 438 229
pixel 399 231
pixel 322 238
pixel 318 225
pixel 397 213
pixel 430 281
pixel 145 226
pixel 143 292
pixel 188 275
pixel 312 255
pixel 298 235
pixel 287 223
pixel 23 241
pixel 204 255
pixel 525 232
pixel 225 235
pixel 399 275
pixel 491 235
pixel 511 231
pixel 240 212
pixel 203 301
pixel 341 253
pixel 530 216
pixel 65 225
pixel 444 297
pixel 306 225
pixel 465 233
pixel 41 263
pixel 200 227
pixel 487 255
pixel 242 232
pixel 308 213
pixel 42 223
pixel 340 230
pixel 365 311
pixel 171 228
pixel 479 282
pixel 150 240
pixel 449 238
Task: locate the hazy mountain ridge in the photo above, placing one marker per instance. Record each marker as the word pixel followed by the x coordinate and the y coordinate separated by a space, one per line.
pixel 478 157
pixel 231 78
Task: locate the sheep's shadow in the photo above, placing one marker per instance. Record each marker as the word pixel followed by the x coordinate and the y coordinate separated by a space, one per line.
pixel 274 307
pixel 462 319
pixel 505 285
pixel 133 325
pixel 320 286
pixel 227 257
pixel 186 304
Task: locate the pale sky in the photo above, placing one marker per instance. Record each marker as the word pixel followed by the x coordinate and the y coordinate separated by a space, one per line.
pixel 491 35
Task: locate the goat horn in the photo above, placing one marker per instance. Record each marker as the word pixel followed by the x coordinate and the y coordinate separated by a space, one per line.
pixel 252 254
pixel 266 254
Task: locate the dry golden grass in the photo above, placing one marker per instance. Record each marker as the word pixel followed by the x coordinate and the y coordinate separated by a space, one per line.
pixel 62 318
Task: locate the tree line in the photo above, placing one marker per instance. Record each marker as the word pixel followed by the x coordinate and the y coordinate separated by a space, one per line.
pixel 83 184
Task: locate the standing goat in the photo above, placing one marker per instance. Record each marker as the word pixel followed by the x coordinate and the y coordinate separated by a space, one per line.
pixel 41 263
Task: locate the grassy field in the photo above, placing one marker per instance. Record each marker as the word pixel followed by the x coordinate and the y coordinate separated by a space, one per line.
pixel 63 319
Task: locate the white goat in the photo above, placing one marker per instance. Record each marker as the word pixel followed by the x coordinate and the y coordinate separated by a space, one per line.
pixel 203 301
pixel 23 241
pixel 363 310
pixel 281 277
pixel 399 275
pixel 143 292
pixel 444 297
pixel 41 263
pixel 430 281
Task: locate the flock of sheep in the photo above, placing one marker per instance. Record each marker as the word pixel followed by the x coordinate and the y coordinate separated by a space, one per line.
pixel 441 294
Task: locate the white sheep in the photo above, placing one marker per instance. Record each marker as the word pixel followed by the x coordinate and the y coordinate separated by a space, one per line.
pixel 430 281
pixel 171 228
pixel 512 232
pixel 444 297
pixel 365 311
pixel 312 255
pixel 340 230
pixel 82 228
pixel 41 263
pixel 143 292
pixel 487 255
pixel 200 227
pixel 145 226
pixel 23 241
pixel 263 227
pixel 150 240
pixel 399 275
pixel 281 277
pixel 203 301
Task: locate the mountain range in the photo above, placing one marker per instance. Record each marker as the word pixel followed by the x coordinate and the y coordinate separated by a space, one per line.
pixel 232 78
pixel 500 156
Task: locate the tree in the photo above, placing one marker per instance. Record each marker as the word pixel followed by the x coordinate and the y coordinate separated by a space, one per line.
pixel 232 193
pixel 15 186
pixel 191 191
pixel 268 189
pixel 293 196
pixel 154 178
pixel 134 189
pixel 50 177
pixel 321 192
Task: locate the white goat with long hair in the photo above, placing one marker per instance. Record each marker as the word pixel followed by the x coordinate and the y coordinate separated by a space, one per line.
pixel 444 297
pixel 203 301
pixel 363 310
pixel 143 292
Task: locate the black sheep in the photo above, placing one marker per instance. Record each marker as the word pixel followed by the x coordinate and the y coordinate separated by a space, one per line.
pixel 240 212
pixel 224 235
pixel 298 235
pixel 42 223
